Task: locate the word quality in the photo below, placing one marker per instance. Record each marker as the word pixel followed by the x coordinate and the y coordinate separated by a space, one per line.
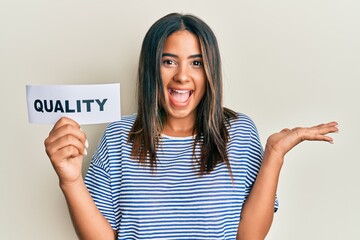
pixel 87 105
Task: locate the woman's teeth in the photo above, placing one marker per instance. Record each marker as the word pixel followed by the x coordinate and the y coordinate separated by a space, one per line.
pixel 180 95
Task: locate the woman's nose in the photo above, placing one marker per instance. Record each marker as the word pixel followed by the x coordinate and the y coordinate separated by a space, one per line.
pixel 182 74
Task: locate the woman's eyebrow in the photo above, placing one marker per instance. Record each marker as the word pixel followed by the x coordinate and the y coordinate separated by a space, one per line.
pixel 195 56
pixel 169 55
pixel 176 56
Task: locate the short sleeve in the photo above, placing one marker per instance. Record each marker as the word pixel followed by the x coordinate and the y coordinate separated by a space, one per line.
pixel 98 183
pixel 254 160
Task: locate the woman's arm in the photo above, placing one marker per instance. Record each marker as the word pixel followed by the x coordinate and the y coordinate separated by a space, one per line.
pixel 88 221
pixel 65 146
pixel 258 210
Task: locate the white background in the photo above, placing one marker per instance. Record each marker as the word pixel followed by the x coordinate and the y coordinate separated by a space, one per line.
pixel 286 64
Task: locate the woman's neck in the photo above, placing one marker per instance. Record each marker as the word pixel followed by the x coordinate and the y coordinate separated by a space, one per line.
pixel 179 127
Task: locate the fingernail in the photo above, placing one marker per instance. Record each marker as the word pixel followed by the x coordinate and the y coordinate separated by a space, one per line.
pixel 85 152
pixel 86 143
pixel 81 130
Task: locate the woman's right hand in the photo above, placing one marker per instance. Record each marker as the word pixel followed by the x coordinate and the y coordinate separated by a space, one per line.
pixel 65 146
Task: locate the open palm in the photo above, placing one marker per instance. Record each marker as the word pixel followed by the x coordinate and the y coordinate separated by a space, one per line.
pixel 282 142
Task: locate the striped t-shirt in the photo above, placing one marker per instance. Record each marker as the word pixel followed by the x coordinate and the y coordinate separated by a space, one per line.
pixel 174 201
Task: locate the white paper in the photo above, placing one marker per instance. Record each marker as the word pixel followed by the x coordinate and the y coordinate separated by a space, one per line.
pixel 86 104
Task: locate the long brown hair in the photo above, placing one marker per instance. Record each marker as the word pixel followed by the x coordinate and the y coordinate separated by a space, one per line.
pixel 212 118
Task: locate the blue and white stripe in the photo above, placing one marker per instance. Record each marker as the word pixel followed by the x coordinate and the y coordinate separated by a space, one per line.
pixel 174 201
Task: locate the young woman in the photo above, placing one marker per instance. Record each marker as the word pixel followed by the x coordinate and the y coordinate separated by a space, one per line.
pixel 183 167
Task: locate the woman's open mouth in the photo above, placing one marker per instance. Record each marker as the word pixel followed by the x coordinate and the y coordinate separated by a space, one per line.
pixel 180 96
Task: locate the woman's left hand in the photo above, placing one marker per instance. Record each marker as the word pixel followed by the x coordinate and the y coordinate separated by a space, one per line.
pixel 282 142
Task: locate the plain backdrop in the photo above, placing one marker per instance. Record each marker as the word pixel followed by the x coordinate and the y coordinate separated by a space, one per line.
pixel 285 64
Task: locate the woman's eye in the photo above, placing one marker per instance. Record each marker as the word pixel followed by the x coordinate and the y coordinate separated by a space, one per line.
pixel 197 63
pixel 168 62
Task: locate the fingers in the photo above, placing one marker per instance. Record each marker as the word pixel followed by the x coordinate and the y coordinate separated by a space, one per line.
pixel 282 142
pixel 66 126
pixel 327 128
pixel 317 133
pixel 66 139
pixel 65 152
pixel 65 121
pixel 285 130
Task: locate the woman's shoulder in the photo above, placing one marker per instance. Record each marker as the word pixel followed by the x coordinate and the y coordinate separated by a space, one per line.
pixel 242 128
pixel 124 124
pixel 241 119
pixel 241 125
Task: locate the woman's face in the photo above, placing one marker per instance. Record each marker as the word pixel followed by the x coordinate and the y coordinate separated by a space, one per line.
pixel 183 76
